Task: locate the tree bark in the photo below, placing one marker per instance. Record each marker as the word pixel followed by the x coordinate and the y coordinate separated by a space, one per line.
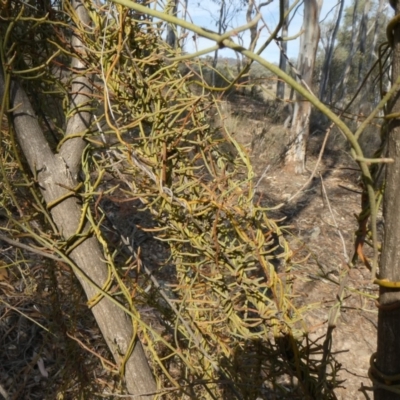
pixel 253 29
pixel 378 28
pixel 299 132
pixel 364 102
pixel 363 40
pixel 353 49
pixel 172 39
pixel 222 25
pixel 53 176
pixel 55 173
pixel 81 96
pixel 280 87
pixel 388 352
pixel 329 54
pixel 183 30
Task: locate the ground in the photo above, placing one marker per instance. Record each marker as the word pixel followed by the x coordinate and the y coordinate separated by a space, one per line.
pixel 319 220
pixel 322 223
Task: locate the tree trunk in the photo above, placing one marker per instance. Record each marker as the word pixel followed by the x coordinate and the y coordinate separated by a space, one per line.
pixel 353 49
pixel 253 29
pixel 329 55
pixel 280 87
pixel 369 96
pixel 171 39
pixel 183 30
pixel 363 40
pixel 221 29
pixel 388 353
pixel 57 172
pixel 378 28
pixel 295 159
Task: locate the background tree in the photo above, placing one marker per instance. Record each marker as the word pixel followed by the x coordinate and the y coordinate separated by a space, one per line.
pixel 380 20
pixel 348 60
pixel 280 87
pixel 299 131
pixel 363 37
pixel 355 32
pixel 226 12
pixel 172 39
pixel 329 49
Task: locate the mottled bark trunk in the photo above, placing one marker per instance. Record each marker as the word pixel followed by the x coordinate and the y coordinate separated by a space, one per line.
pixel 299 131
pixel 388 353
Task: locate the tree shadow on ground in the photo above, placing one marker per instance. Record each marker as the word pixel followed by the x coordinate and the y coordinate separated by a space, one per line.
pixel 283 369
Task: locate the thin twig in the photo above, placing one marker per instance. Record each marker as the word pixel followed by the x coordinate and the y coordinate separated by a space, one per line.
pixel 263 175
pixel 104 360
pixel 29 248
pixel 321 153
pixel 346 256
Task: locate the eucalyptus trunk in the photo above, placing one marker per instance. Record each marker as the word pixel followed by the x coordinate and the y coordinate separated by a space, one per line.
pixel 363 40
pixel 329 54
pixel 172 39
pixel 354 43
pixel 388 352
pixel 378 28
pixel 299 132
pixel 280 88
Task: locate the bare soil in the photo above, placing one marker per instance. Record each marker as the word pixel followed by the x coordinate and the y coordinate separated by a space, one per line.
pixel 321 224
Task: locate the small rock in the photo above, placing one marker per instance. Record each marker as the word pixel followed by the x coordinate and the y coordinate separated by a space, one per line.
pixel 315 233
